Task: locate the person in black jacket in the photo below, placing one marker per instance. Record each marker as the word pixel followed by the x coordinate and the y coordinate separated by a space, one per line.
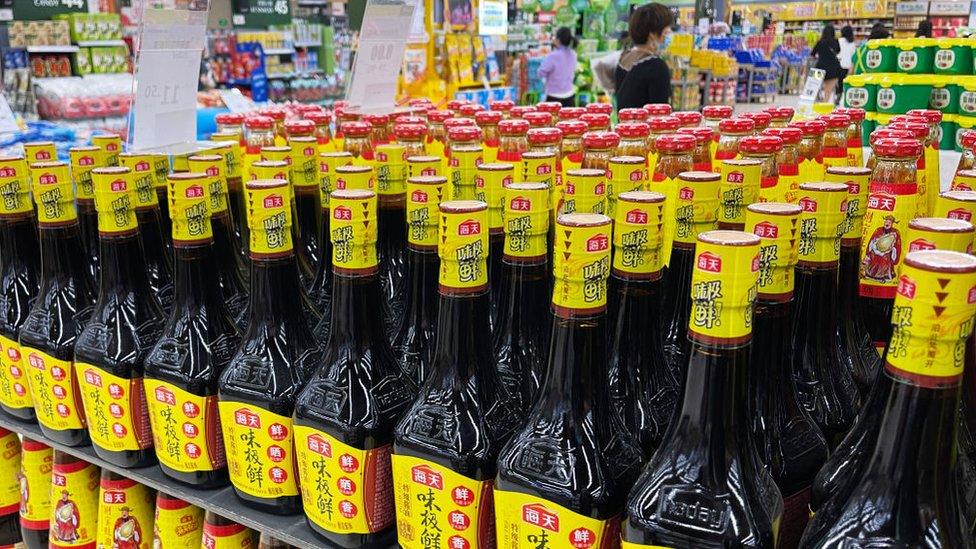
pixel 826 50
pixel 642 76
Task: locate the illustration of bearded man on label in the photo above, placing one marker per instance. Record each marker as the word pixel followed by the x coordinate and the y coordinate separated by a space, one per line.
pixel 884 250
pixel 24 492
pixel 127 534
pixel 66 519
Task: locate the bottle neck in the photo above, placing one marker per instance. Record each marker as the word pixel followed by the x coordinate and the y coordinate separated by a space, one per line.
pixel 150 227
pixel 710 404
pixel 576 373
pixel 422 272
pixel 848 274
pixel 123 266
pixel 816 307
pixel 195 277
pixel 462 324
pixel 274 292
pixel 18 240
pixel 59 251
pixel 523 291
pixel 355 310
pixel 392 218
pixel 771 343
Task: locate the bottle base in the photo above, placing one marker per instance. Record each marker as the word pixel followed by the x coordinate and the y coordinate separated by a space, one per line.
pixel 130 459
pixel 285 505
pixel 67 437
pixel 377 540
pixel 34 539
pixel 203 479
pixel 23 414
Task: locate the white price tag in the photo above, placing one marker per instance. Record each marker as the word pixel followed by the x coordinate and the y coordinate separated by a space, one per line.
pixel 6 14
pixel 165 108
pixel 8 122
pixel 811 88
pixel 236 101
pixel 382 41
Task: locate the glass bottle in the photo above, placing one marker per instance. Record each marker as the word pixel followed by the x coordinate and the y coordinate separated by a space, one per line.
pixel 512 140
pixel 730 132
pixel 882 133
pixel 125 512
pixel 855 143
pixel 177 523
pixel 278 352
pixel 598 147
pixel 788 441
pixel 633 139
pixel 599 108
pixel 197 342
pixel 660 125
pixel 787 160
pixel 834 149
pixel 357 142
pixel 144 180
pixel 551 107
pixel 437 137
pixel 672 157
pixel 904 495
pixel 74 502
pixel 413 138
pixel 571 148
pixel 378 122
pixel 36 462
pixel 701 156
pixel 391 219
pixel 642 388
pixel 266 541
pixel 762 120
pixel 765 148
pixel 488 122
pixel 126 322
pixel 967 160
pixel 299 128
pixel 919 131
pixel 304 174
pixel 708 458
pixel 521 331
pixel 469 110
pixel 259 133
pixel 221 533
pixel 558 463
pixel 713 116
pixel 83 160
pixel 826 388
pixel 323 129
pixel 232 122
pixel 452 433
pixel 810 148
pixel 779 117
pixel 64 302
pixel 20 266
pixel 688 119
pixel 234 170
pixel 344 417
pixel 156 246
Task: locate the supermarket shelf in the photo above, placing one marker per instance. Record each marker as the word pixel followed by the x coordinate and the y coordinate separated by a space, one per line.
pixel 279 51
pixel 96 43
pixel 51 49
pixel 311 44
pixel 290 529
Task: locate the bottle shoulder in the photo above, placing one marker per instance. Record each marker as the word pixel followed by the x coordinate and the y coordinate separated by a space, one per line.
pixel 193 349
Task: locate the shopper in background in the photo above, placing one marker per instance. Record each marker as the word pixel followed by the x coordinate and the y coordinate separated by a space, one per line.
pixel 846 55
pixel 826 51
pixel 559 68
pixel 924 29
pixel 878 31
pixel 642 76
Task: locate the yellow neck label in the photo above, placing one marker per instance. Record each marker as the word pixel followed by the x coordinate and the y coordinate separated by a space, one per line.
pixel 738 187
pixel 111 145
pixel 125 514
pixel 15 197
pixel 637 236
pixel 926 233
pixel 354 177
pixel 269 214
pixel 526 220
pixel 857 198
pixel 353 230
pixel 947 205
pixel 74 505
pixel 304 159
pixel 54 390
pixel 185 428
pixel 822 222
pixel 424 198
pixel 463 247
pixel 259 447
pixel 723 290
pixel 777 226
pixel 585 191
pixel 423 165
pixel 696 208
pixel 83 161
pixel 215 169
pixel 40 151
pixel 233 157
pixel 36 463
pixel 54 192
pixel 115 201
pixel 581 263
pixel 464 162
pixel 539 167
pixel 490 182
pixel 882 245
pixel 143 177
pixel 328 162
pixel 625 174
pixel 189 199
pixel 523 520
pixel 391 176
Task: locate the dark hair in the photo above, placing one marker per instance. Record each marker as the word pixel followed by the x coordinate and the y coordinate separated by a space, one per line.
pixel 848 33
pixel 565 37
pixel 828 33
pixel 649 19
pixel 924 29
pixel 878 30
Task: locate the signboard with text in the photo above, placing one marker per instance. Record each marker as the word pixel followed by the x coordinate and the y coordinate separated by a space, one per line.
pixel 30 10
pixel 382 41
pixel 261 13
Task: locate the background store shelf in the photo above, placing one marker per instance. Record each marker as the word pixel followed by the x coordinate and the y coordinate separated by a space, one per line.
pixel 52 49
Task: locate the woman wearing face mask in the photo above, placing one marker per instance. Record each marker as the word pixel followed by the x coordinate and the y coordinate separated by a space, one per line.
pixel 559 67
pixel 642 75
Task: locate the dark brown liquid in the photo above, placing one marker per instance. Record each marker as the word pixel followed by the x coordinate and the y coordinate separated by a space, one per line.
pixel 391 249
pixel 229 267
pixel 19 275
pixel 675 308
pixel 857 350
pixel 307 220
pixel 88 220
pixel 158 262
pixel 413 342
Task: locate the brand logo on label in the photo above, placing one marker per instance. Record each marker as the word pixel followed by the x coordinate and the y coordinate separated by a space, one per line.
pixel 686 193
pixel 247 418
pixel 884 203
pixel 92 377
pixel 113 497
pixel 765 229
pixel 425 475
pixel 638 217
pixel 7 171
pixel 194 191
pixel 599 189
pixel 47 179
pixel 971 297
pixel 543 169
pixel 342 213
pixel 537 515
pixel 637 175
pixel 479 181
pixel 428 171
pixel 906 287
pixel 42 155
pixel 735 177
pixel 309 151
pixel 808 204
pixel 142 166
pixel 960 213
pixel 35 361
pixel 165 396
pixel 707 261
pixel 418 196
pixel 86 161
pixel 213 171
pixel 853 187
pixel 118 186
pixel 520 204
pixel 920 244
pixel 273 201
pixel 597 243
pixel 469 227
pixel 318 445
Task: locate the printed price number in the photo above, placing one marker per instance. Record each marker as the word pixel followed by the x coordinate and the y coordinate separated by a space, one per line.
pixel 77 4
pixel 381 52
pixel 164 93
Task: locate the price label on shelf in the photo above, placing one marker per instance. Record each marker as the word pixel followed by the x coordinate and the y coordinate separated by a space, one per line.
pixel 165 107
pixel 382 41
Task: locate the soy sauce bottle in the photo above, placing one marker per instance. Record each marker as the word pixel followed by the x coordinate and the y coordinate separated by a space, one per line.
pixel 176 524
pixel 826 388
pixel 450 436
pixel 305 183
pixel 196 345
pixel 10 488
pixel 787 439
pixel 571 461
pixel 222 533
pixel 521 334
pixel 125 512
pixel 642 388
pixel 708 460
pixel 320 290
pixel 74 502
pixel 344 417
pixel 904 497
pixel 157 249
pixel 124 325
pixel 19 266
pixel 83 161
pixel 391 187
pixel 268 542
pixel 36 462
pixel 277 354
pixel 413 342
pixel 65 299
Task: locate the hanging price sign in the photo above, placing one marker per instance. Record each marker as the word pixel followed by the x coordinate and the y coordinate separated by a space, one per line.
pixel 382 41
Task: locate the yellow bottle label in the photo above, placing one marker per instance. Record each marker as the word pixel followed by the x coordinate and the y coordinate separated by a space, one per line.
pixel 259 446
pixel 435 148
pixel 188 210
pixel 584 193
pixel 83 160
pixel 464 164
pixel 161 163
pixel 581 266
pixel 932 316
pixel 822 218
pixel 882 248
pixel 15 197
pixel 328 162
pixel 125 515
pixel 855 154
pixel 857 198
pixel 142 177
pixel 267 169
pixel 353 230
pixel 177 525
pixel 10 464
pixel 40 151
pixel 216 181
pixel 230 536
pixel 623 177
pixel 350 490
pixel 74 505
pixel 233 156
pixel 522 520
pixel 269 218
pixel 490 182
pixel 54 193
pixel 696 209
pixel 526 220
pixel 186 428
pixel 921 238
pixel 778 254
pixel 54 390
pixel 723 291
pixel 637 237
pixel 391 169
pixel 354 177
pixel 36 463
pixel 738 187
pixel 423 165
pixel 539 167
pixel 304 162
pixel 491 153
pixel 437 507
pixel 629 545
pixel 423 207
pixel 955 209
pixel 931 174
pixel 463 249
pixel 115 407
pixel 811 169
pixel 115 202
pixel 14 387
pixel 111 145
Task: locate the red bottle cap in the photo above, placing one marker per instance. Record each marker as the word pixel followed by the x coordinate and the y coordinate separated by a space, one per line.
pixel 919 130
pixel 410 119
pixel 420 102
pixel 571 113
pixel 717 112
pixel 455 104
pixel 470 109
pixel 658 109
pixel 502 105
pixel 319 117
pixel 660 124
pixel 595 120
pixel 600 140
pixel 736 125
pixel 276 114
pixel 299 127
pixel 551 107
pixel 544 136
pixel 356 128
pixel 303 108
pixel 688 118
pixel 931 116
pixel 810 128
pixel 513 126
pixel 458 122
pixel 577 128
pixel 538 119
pixel 377 119
pixel 464 133
pixel 518 111
pixel 836 121
pixel 407 131
pixel 488 117
pixel 600 108
pixel 885 133
pixel 897 148
pixel 633 115
pixel 857 115
pixel 438 116
pixel 675 142
pixel 633 129
pixel 701 133
pixel 779 113
pixel 258 122
pixel 762 119
pixel 968 138
pixel 229 118
pixel 790 136
pixel 762 144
